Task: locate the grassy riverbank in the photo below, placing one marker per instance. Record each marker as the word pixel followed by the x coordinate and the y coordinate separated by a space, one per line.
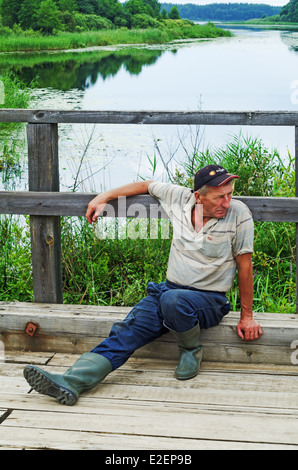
pixel 262 24
pixel 269 23
pixel 179 29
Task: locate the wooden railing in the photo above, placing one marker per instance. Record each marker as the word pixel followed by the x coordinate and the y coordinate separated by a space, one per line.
pixel 45 204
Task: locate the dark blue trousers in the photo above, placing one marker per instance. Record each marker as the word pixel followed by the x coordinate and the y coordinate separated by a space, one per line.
pixel 180 308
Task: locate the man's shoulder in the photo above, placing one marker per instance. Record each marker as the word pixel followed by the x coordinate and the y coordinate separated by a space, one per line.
pixel 160 190
pixel 238 206
pixel 238 213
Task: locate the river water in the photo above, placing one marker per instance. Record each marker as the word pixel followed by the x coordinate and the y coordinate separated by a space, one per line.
pixel 253 70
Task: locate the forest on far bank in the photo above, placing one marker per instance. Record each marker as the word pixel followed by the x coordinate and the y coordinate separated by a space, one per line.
pixel 223 11
pixel 237 12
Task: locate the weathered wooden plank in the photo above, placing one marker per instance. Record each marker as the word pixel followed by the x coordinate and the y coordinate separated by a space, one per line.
pixel 140 420
pixel 161 365
pixel 231 384
pixel 161 348
pixel 220 389
pixel 273 209
pixel 279 329
pixel 218 409
pixel 13 385
pixel 45 230
pixel 20 438
pixel 244 118
pixel 75 331
pixel 46 258
pixel 43 174
pixel 205 392
pixel 75 204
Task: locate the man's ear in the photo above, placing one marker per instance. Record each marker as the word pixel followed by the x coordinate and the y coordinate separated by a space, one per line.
pixel 198 197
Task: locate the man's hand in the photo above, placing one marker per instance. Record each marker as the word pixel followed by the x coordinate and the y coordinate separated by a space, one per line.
pixel 248 329
pixel 95 208
pixel 97 205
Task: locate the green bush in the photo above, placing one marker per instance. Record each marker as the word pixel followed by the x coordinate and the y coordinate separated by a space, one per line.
pixel 91 22
pixel 144 21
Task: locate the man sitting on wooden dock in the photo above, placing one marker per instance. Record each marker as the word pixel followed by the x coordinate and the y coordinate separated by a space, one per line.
pixel 212 237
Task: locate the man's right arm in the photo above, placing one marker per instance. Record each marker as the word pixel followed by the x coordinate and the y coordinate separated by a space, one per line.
pixel 96 206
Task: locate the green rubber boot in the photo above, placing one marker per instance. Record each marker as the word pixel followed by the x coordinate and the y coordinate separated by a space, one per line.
pixel 190 353
pixel 87 372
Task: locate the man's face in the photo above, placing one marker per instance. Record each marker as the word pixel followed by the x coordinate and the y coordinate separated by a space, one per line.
pixel 217 201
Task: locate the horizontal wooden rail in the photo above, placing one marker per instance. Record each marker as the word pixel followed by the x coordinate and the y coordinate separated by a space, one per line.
pixel 275 209
pixel 243 118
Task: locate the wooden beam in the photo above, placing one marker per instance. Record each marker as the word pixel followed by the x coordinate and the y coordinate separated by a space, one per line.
pixel 78 328
pixel 45 229
pixel 243 118
pixel 277 209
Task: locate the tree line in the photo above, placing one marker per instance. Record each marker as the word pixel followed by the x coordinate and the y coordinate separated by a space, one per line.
pixel 237 12
pixel 223 11
pixel 78 15
pixel 289 12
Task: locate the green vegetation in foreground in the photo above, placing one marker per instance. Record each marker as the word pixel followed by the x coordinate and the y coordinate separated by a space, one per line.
pixel 179 29
pixel 115 271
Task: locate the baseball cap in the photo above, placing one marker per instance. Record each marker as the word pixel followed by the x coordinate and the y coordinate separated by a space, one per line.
pixel 212 175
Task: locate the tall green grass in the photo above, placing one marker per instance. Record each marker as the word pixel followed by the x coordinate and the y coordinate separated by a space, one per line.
pixel 64 40
pixel 109 271
pixel 15 255
pixel 12 135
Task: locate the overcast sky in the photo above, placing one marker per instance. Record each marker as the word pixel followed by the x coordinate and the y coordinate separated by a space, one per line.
pixel 205 2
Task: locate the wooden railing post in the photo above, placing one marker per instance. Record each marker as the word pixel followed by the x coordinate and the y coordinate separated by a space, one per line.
pixel 45 230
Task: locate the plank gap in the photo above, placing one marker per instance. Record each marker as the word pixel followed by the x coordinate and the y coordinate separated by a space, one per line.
pixel 5 415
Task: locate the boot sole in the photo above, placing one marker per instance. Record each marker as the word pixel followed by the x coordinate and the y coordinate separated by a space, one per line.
pixel 42 384
pixel 179 377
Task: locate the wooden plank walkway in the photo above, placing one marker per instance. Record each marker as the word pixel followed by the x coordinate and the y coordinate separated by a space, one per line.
pixel 235 403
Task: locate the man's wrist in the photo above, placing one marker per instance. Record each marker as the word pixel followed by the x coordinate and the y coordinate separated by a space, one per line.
pixel 247 315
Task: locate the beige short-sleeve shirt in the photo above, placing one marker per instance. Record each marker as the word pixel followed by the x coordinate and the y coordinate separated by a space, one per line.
pixel 205 259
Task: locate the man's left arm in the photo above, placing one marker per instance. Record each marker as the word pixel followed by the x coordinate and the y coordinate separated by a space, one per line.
pixel 248 329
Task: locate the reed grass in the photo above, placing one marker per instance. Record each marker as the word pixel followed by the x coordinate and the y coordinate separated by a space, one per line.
pixel 63 40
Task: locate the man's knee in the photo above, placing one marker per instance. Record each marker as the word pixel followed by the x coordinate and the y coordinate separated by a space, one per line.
pixel 169 300
pixel 173 308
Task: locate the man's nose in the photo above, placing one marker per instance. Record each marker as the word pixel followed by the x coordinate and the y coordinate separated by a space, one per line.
pixel 226 202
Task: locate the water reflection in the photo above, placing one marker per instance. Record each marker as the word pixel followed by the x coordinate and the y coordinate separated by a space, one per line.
pixel 77 70
pixel 290 38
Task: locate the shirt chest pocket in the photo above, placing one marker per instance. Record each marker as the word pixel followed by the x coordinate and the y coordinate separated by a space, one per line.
pixel 216 247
